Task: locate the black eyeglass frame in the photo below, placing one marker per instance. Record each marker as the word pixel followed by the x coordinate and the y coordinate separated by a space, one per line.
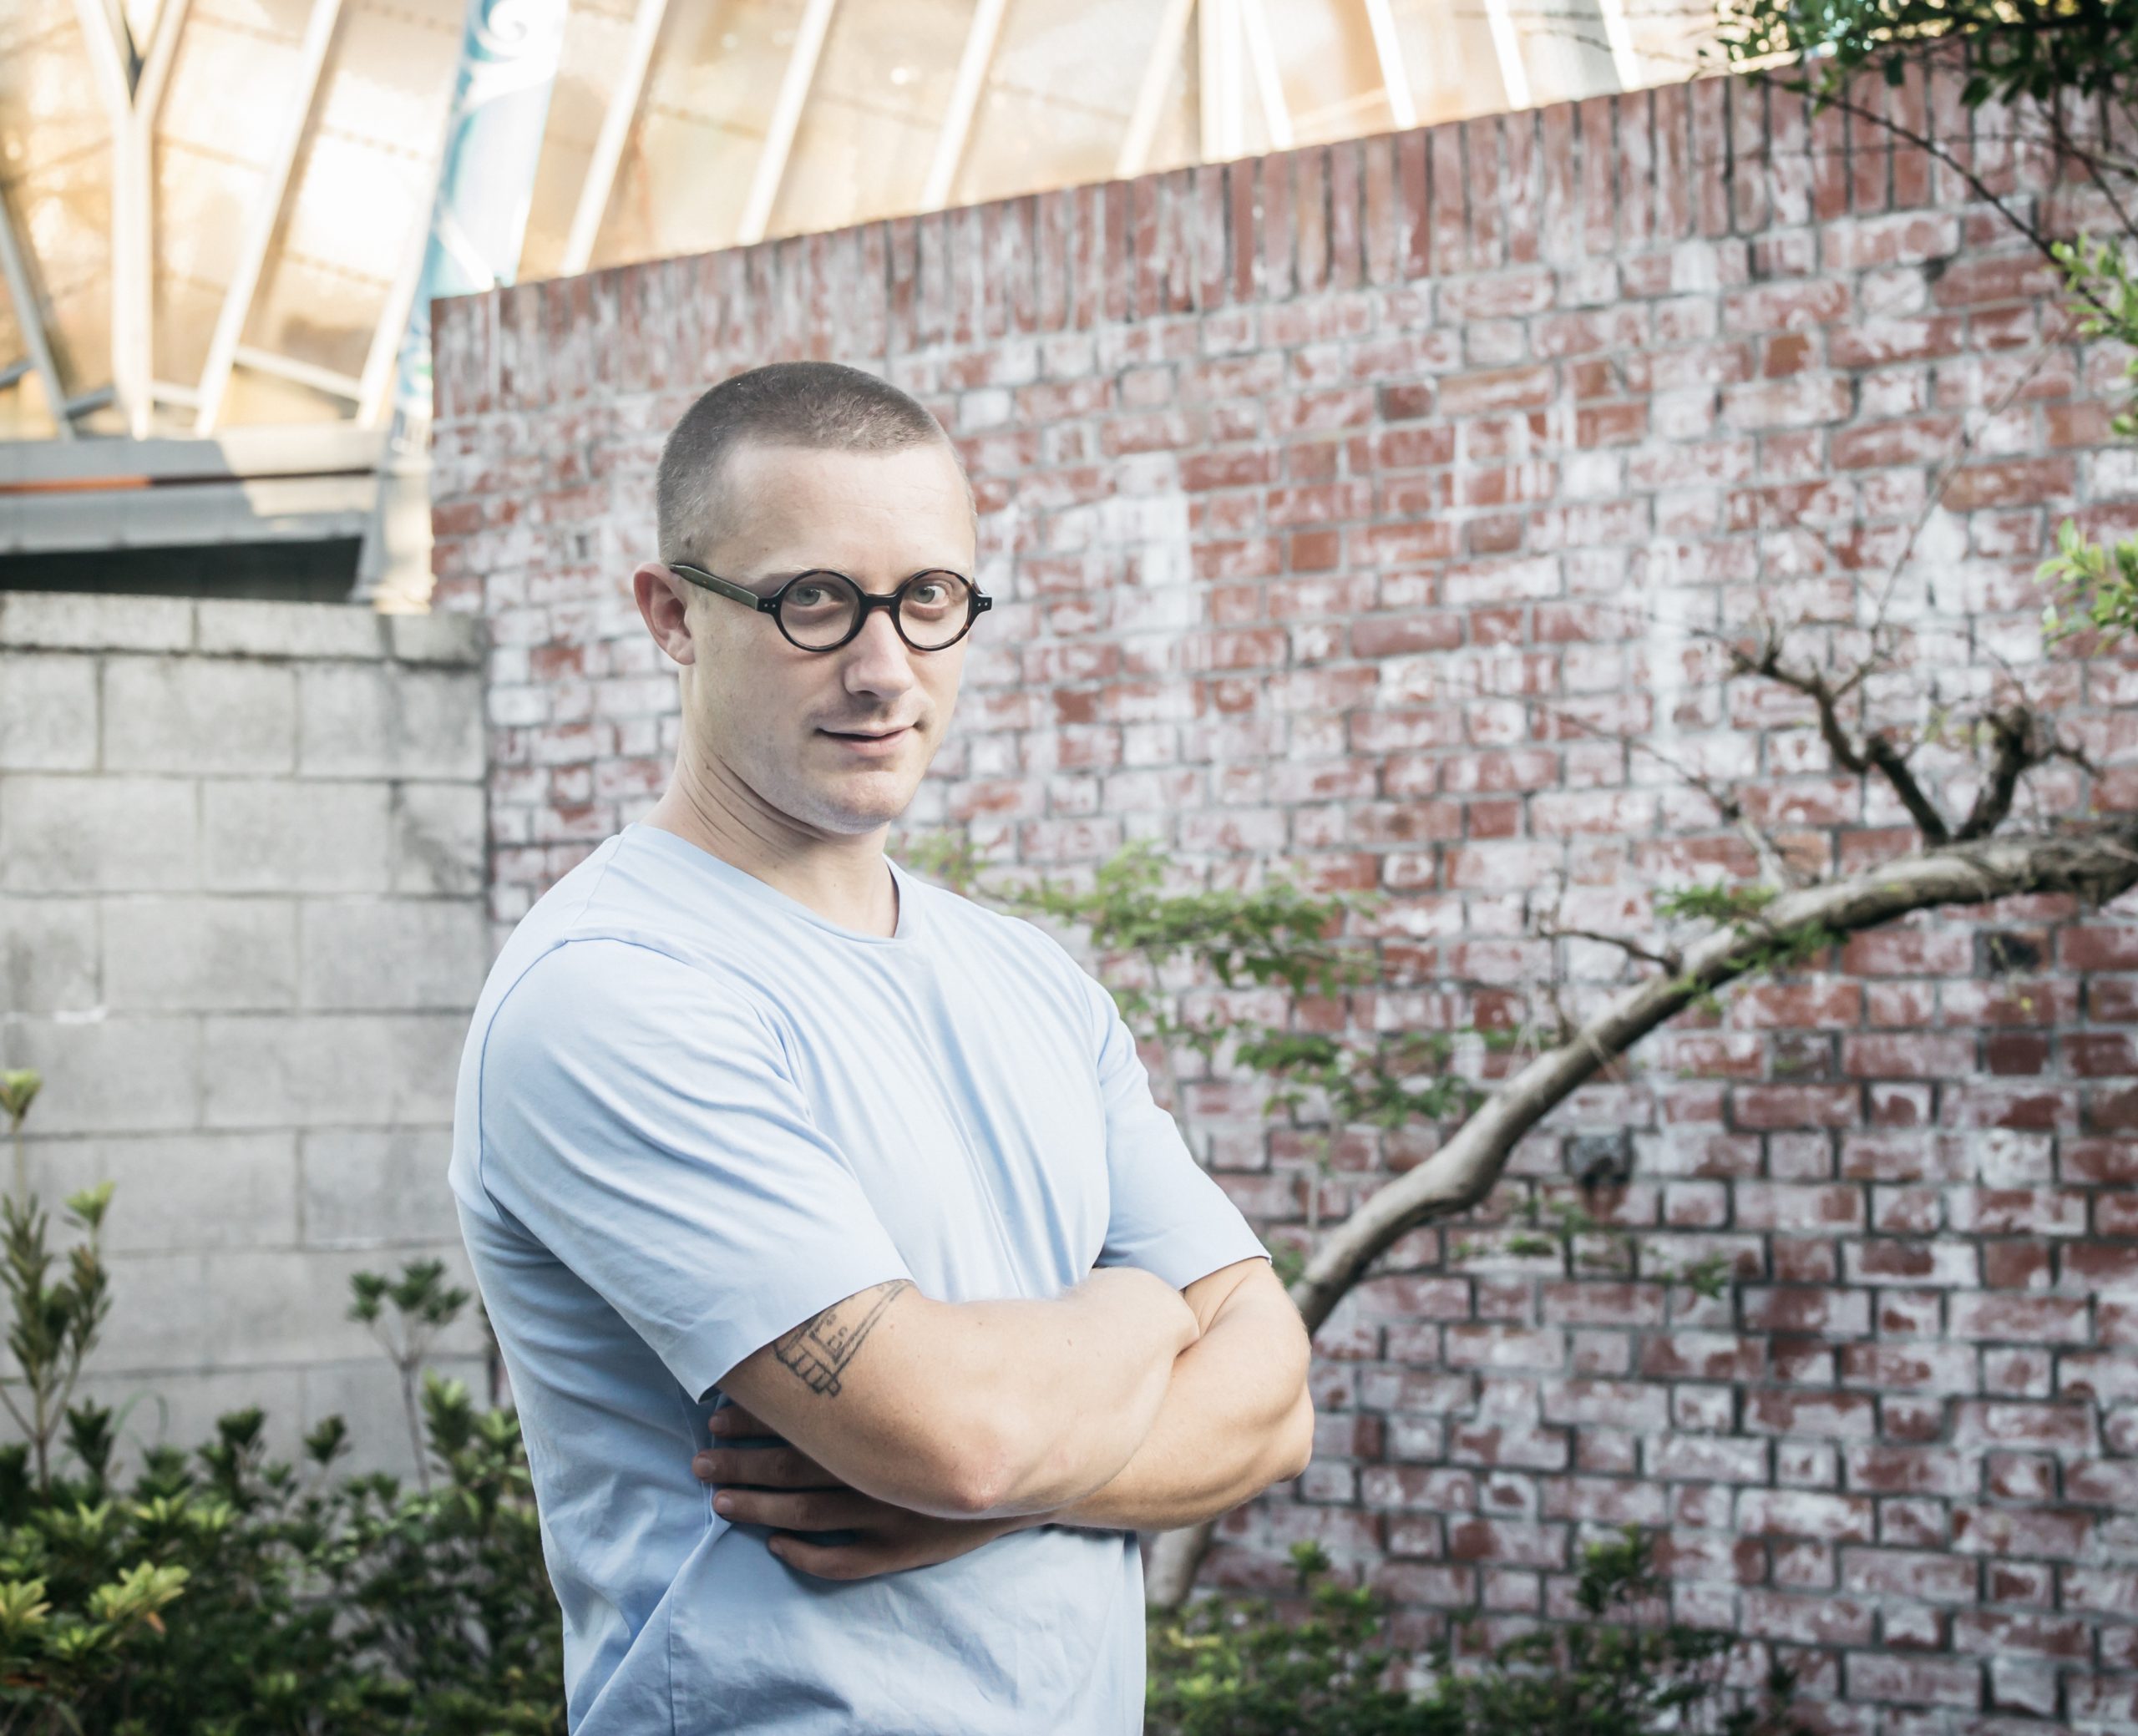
pixel 977 605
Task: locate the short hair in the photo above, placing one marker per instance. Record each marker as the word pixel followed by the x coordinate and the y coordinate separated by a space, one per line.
pixel 824 405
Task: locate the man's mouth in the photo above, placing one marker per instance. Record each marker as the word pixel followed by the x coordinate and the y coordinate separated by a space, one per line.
pixel 872 744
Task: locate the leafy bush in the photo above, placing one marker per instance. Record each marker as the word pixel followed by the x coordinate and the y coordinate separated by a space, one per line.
pixel 222 1593
pixel 1231 1667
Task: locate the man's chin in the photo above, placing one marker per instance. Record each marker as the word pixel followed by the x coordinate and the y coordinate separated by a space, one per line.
pixel 863 803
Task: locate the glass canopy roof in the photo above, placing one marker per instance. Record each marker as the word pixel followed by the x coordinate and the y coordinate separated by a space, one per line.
pixel 211 211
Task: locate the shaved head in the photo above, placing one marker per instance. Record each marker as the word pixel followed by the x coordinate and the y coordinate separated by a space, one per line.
pixel 819 406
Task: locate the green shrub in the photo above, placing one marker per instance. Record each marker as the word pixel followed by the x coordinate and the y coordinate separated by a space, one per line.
pixel 1232 1668
pixel 223 1593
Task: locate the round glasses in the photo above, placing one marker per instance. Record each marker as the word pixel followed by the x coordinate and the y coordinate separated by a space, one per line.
pixel 820 610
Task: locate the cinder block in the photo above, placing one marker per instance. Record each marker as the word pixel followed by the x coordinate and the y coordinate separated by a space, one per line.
pixel 91 621
pixel 200 955
pixel 195 714
pixel 48 955
pixel 98 834
pixel 276 835
pixel 178 1193
pixel 361 720
pixel 364 1188
pixel 112 1075
pixel 439 637
pixel 233 1307
pixel 394 955
pixel 47 712
pixel 326 1070
pixel 245 628
pixel 440 843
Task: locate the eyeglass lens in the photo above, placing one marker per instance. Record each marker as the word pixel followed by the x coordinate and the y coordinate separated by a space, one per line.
pixel 819 609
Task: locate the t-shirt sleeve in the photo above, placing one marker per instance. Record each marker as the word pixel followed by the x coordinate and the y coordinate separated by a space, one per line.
pixel 638 1118
pixel 1167 1215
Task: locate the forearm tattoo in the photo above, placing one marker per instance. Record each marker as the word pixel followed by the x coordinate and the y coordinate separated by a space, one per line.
pixel 819 1350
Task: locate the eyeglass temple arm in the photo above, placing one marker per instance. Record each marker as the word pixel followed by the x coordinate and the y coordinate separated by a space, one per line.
pixel 725 587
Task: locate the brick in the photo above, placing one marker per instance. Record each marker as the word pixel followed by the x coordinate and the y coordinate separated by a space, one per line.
pixel 1914 1681
pixel 2023 1319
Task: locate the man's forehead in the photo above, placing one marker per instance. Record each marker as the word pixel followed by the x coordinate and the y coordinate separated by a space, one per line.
pixel 773 497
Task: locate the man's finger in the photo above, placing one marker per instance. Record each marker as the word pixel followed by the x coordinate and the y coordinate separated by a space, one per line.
pixel 799 1509
pixel 822 1561
pixel 732 1422
pixel 762 1468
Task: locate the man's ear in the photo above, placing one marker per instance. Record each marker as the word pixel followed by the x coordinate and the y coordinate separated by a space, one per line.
pixel 664 605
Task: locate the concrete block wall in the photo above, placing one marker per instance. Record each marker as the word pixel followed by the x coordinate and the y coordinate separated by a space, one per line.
pixel 241 929
pixel 1344 508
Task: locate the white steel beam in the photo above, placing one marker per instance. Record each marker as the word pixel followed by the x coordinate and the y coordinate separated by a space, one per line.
pixel 302 373
pixel 1395 76
pixel 134 154
pixel 981 38
pixel 111 70
pixel 380 361
pixel 14 371
pixel 1506 44
pixel 1269 81
pixel 21 290
pixel 266 208
pixel 1221 84
pixel 615 133
pixel 1618 32
pixel 786 117
pixel 1150 94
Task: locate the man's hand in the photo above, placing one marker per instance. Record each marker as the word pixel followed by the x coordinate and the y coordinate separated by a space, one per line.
pixel 789 1492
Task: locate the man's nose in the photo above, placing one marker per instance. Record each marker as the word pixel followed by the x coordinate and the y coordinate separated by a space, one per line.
pixel 876 660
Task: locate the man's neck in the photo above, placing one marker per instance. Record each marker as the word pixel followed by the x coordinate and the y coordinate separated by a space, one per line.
pixel 843 880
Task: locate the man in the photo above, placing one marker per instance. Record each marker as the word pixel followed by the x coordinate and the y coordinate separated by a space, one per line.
pixel 782 1170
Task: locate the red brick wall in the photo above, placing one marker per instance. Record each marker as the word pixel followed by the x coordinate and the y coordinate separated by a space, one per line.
pixel 1345 506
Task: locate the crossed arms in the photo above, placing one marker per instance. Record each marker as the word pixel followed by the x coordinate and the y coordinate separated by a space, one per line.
pixel 929 1428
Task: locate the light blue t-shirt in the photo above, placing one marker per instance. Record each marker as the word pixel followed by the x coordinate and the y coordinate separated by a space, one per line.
pixel 692 1113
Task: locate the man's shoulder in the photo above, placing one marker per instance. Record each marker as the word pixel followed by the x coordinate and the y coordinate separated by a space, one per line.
pixel 962 921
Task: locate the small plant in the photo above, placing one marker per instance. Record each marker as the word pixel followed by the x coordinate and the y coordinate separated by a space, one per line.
pixel 52 1325
pixel 423 1306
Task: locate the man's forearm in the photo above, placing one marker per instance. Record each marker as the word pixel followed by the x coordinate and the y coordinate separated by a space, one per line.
pixel 1075 1401
pixel 1235 1418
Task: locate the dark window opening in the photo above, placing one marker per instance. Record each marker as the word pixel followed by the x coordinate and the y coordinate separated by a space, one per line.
pixel 314 572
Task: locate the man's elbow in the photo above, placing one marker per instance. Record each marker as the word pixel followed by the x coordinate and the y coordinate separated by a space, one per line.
pixel 1292 1447
pixel 972 1466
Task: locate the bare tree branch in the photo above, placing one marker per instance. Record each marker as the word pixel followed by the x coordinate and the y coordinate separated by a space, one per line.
pixel 1876 753
pixel 2098 864
pixel 1669 959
